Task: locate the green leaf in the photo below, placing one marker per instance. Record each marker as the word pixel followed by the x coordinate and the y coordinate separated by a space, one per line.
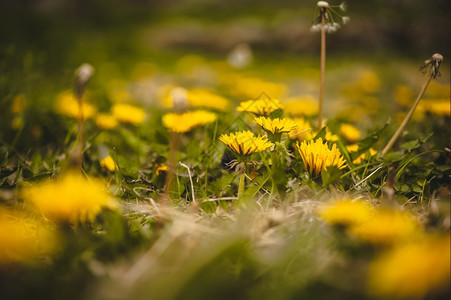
pixel 330 175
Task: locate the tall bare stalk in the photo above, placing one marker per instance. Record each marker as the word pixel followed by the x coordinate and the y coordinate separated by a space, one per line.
pixel 432 65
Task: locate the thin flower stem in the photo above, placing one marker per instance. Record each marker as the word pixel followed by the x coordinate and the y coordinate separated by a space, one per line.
pixel 408 116
pixel 241 186
pixel 322 70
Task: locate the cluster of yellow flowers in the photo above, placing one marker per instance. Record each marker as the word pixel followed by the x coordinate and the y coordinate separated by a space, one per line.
pixel 412 263
pixel 187 121
pixel 317 156
pixel 245 143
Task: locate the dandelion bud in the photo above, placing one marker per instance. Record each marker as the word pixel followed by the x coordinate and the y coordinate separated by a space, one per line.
pixel 83 73
pixel 322 4
pixel 179 98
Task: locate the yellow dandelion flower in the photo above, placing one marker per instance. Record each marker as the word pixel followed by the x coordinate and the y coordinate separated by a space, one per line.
pixel 303 130
pixel 368 82
pixel 349 133
pixel 440 107
pixel 345 212
pixel 106 121
pixel 412 270
pixel 305 105
pixel 437 90
pixel 330 137
pixel 128 113
pixel 260 107
pixel 108 163
pixel 23 238
pixel 385 227
pixel 317 156
pixel 275 127
pixel 185 122
pixel 250 87
pixel 245 143
pixel 208 99
pixel 71 198
pixel 67 104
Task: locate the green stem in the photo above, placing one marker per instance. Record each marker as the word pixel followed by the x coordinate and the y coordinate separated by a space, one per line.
pixel 241 186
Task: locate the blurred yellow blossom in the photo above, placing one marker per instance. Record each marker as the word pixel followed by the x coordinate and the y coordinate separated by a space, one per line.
pixel 354 148
pixel 128 113
pixel 303 130
pixel 404 95
pixel 245 143
pixel 252 87
pixel 206 98
pixel 185 122
pixel 317 156
pixel 305 105
pixel 412 270
pixel 18 104
pixel 440 107
pixel 386 226
pixel 345 212
pixel 437 90
pixel 349 133
pixel 23 238
pixel 260 107
pixel 67 103
pixel 106 121
pixel 71 198
pixel 108 163
pixel 368 82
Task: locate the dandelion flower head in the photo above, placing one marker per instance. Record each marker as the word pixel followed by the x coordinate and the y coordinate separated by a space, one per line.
pixel 260 107
pixel 67 104
pixel 412 270
pixel 71 198
pixel 350 133
pixel 128 113
pixel 245 143
pixel 106 121
pixel 276 126
pixel 303 130
pixel 305 105
pixel 23 238
pixel 108 163
pixel 317 156
pixel 345 212
pixel 385 227
pixel 187 121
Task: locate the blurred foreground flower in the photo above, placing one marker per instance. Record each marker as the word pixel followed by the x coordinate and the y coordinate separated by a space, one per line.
pixel 413 270
pixel 260 107
pixel 23 238
pixel 345 212
pixel 67 104
pixel 128 113
pixel 245 143
pixel 275 127
pixel 303 130
pixel 72 198
pixel 349 133
pixel 185 122
pixel 317 156
pixel 385 227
